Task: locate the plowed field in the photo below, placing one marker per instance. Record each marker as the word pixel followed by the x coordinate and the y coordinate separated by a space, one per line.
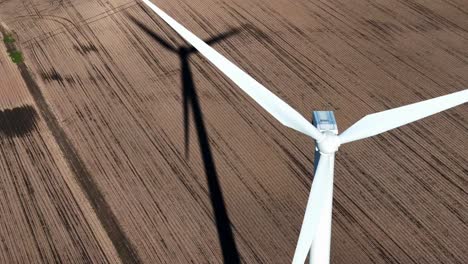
pixel 119 143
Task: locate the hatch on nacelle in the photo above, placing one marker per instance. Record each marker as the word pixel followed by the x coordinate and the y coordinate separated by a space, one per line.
pixel 325 121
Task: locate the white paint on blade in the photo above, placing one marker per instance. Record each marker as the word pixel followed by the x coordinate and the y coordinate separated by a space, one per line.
pixel 320 192
pixel 270 102
pixel 383 121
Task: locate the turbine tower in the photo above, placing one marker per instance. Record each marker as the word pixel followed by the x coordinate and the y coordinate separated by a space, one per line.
pixel 315 233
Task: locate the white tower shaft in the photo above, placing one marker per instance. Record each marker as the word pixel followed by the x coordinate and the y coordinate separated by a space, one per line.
pixel 320 249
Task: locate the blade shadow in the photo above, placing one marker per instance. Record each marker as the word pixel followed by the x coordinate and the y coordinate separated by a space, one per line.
pixel 191 104
pixel 153 35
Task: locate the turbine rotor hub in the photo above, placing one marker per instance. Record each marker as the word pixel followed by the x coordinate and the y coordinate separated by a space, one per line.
pixel 329 144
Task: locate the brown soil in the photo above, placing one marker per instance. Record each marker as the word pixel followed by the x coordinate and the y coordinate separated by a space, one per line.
pixel 45 216
pixel 135 149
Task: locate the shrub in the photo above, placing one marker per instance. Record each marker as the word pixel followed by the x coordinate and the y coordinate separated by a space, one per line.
pixel 16 56
pixel 8 39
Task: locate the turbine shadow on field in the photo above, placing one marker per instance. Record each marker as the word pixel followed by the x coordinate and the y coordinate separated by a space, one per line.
pixel 191 102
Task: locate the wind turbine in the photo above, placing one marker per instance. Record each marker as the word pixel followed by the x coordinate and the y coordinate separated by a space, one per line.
pixel 316 227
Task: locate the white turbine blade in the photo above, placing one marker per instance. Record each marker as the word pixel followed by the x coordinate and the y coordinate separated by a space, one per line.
pixel 270 102
pixel 319 197
pixel 383 121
